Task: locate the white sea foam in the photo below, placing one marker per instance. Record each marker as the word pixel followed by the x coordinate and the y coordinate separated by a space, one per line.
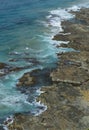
pixel 53 22
pixel 5 127
pixel 61 42
pixel 74 8
pixel 39 91
pixel 9 120
pixel 39 111
pixel 55 18
pixel 63 14
pixel 10 98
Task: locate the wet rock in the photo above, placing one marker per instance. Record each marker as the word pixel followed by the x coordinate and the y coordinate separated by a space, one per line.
pixel 78 36
pixel 37 76
pixel 3 69
pixel 61 37
pixel 2 65
pixel 33 61
pixel 61 114
pixel 26 80
pixel 7 68
pixel 67 98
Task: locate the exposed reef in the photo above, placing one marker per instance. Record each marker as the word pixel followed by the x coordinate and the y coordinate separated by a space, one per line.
pixel 67 98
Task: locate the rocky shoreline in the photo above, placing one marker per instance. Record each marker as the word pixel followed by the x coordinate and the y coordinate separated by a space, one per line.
pixel 67 98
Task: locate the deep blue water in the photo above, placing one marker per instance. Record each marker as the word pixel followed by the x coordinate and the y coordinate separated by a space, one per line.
pixel 26 30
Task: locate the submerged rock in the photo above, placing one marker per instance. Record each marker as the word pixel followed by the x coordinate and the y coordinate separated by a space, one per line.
pixel 2 65
pixel 67 98
pixel 7 68
pixel 3 69
pixel 37 76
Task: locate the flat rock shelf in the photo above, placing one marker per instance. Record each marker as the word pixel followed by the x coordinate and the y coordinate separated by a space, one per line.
pixel 67 98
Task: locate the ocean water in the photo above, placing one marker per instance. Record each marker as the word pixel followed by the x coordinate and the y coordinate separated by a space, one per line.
pixel 26 31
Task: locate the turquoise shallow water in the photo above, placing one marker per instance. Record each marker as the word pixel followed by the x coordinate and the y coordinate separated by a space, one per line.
pixel 26 30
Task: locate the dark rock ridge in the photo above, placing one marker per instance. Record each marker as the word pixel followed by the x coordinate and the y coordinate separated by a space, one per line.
pixel 2 65
pixel 67 98
pixel 30 82
pixel 7 68
pixel 35 77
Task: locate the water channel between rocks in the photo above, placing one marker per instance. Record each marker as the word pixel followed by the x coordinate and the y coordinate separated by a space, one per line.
pixel 36 58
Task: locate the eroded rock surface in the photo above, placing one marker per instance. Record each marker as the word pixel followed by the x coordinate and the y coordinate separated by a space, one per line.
pixel 68 97
pixel 26 80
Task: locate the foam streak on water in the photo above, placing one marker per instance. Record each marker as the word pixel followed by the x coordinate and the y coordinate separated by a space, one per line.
pixel 27 28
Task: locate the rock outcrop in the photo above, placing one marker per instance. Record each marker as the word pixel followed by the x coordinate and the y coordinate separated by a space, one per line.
pixel 67 98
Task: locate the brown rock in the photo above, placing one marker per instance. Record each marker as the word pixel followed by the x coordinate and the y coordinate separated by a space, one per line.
pixel 70 74
pixel 2 65
pixel 68 105
pixel 26 80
